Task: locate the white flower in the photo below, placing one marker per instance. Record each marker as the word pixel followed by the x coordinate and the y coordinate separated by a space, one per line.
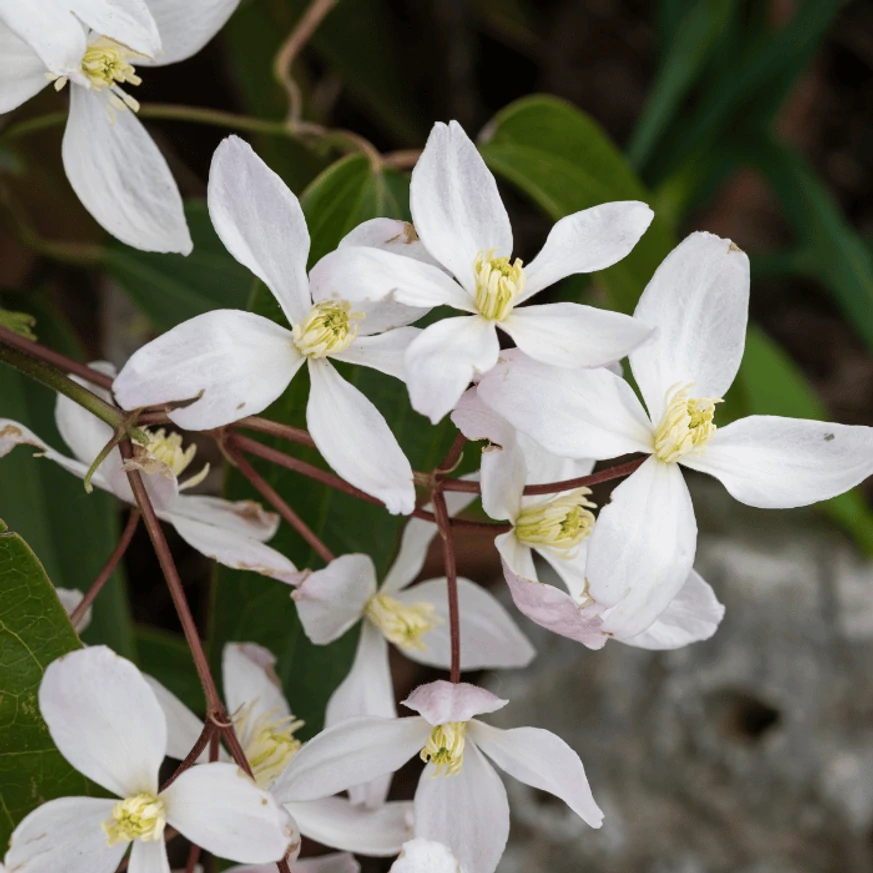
pixel 642 549
pixel 70 598
pixel 557 528
pixel 426 856
pixel 111 161
pixel 106 721
pixel 234 534
pixel 460 800
pixel 337 862
pixel 265 726
pixel 458 213
pixel 237 363
pixel 415 619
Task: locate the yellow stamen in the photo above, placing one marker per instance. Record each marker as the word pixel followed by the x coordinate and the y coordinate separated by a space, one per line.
pixel 327 330
pixel 498 284
pixel 166 449
pixel 559 524
pixel 107 65
pixel 686 426
pixel 445 748
pixel 141 817
pixel 269 742
pixel 403 624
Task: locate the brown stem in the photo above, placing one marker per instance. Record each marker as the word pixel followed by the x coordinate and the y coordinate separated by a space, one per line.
pixel 235 748
pixel 108 568
pixel 443 521
pixel 271 496
pixel 275 428
pixel 193 858
pixel 606 475
pixel 207 735
pixel 174 583
pixel 454 454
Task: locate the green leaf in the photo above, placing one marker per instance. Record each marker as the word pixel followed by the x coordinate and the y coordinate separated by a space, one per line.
pixel 170 289
pixel 564 162
pixel 166 657
pixel 73 532
pixel 34 631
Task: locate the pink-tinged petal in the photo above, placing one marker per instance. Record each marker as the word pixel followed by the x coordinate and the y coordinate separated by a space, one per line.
pixel 354 438
pixel 570 413
pixel 467 812
pixel 70 598
pixel 779 463
pixel 129 22
pixel 363 274
pixel 183 727
pixel 332 600
pixel 249 678
pixel 22 72
pixel 384 352
pixel 456 207
pixel 426 856
pixel 444 358
pixel 65 834
pixel 542 760
pixel 693 615
pixel 336 862
pixel 586 242
pixel 105 719
pixel 391 235
pixel 60 45
pixel 236 362
pixel 246 517
pixel 121 177
pixel 570 568
pixel 572 335
pixel 555 610
pixel 352 752
pixel 490 639
pixel 698 300
pixel 334 821
pixel 441 702
pixel 642 548
pixel 148 857
pixel 261 224
pixel 185 28
pixel 517 556
pixel 218 807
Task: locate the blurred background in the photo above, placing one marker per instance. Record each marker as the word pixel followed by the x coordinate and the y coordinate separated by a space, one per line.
pixel 751 752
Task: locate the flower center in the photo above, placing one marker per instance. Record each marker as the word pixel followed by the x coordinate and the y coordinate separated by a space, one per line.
pixel 141 817
pixel 560 524
pixel 445 748
pixel 328 329
pixel 498 284
pixel 270 743
pixel 686 426
pixel 166 451
pixel 403 624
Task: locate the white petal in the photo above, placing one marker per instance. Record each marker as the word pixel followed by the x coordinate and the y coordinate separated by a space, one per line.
pixel 22 72
pixel 426 856
pixel 542 760
pixel 570 568
pixel 355 439
pixel 516 555
pixel 352 752
pixel 414 545
pixel 543 466
pixel 383 352
pixel 384 315
pixel 249 678
pixel 219 808
pixel 440 701
pixel 586 242
pixel 333 821
pixel 232 548
pixel 186 27
pixel 391 235
pixel 70 598
pixel 642 548
pixel 572 335
pixel 698 300
pixel 555 610
pixel 83 432
pixel 105 719
pixel 65 834
pixel 456 207
pixel 56 36
pixel 693 615
pixel 121 176
pixel 126 21
pixel 778 463
pixel 443 360
pixel 365 274
pixel 183 727
pixel 148 857
pixel 572 414
pixel 238 361
pixel 332 600
pixel 336 862
pixel 467 812
pixel 490 639
pixel 261 224
pixel 246 517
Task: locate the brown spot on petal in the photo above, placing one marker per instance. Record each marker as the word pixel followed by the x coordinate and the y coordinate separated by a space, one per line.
pixel 733 247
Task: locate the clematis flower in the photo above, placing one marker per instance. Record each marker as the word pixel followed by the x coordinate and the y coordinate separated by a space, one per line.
pixel 643 545
pixel 265 726
pixel 112 163
pixel 460 800
pixel 415 619
pixel 237 363
pixel 232 533
pixel 458 213
pixel 426 856
pixel 107 723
